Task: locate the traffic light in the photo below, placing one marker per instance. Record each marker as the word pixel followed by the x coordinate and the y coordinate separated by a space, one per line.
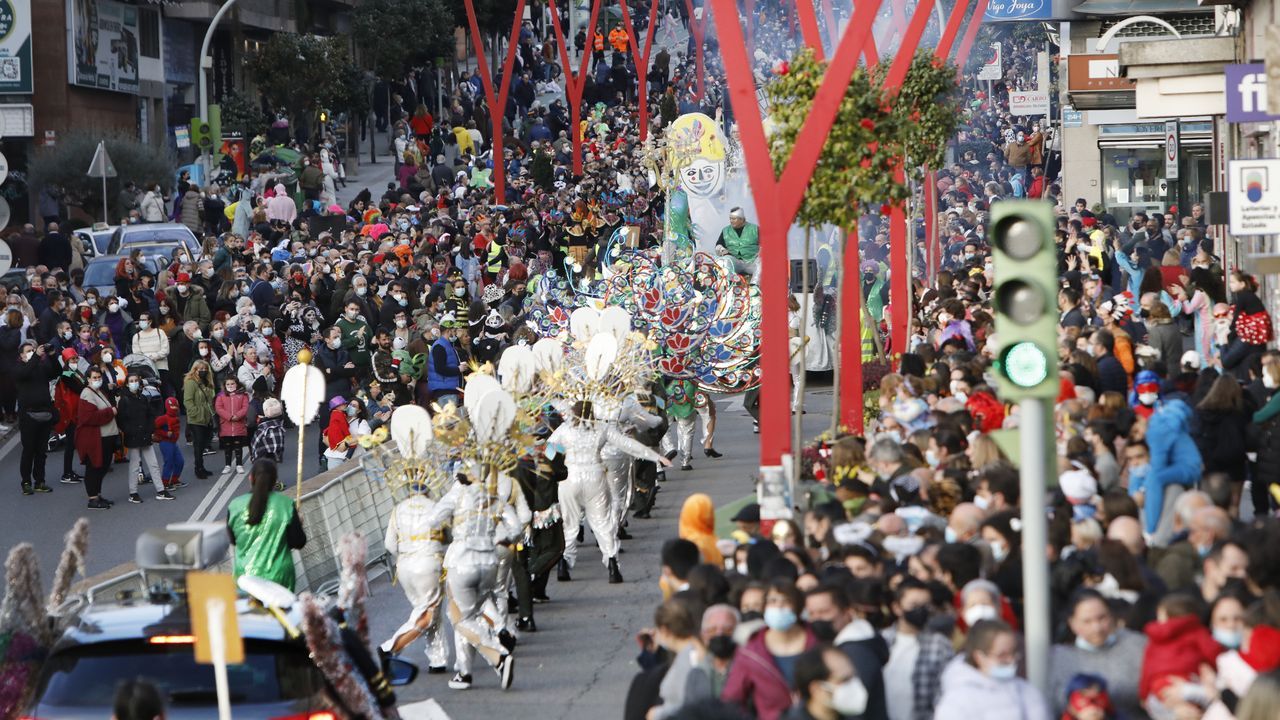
pixel 1025 299
pixel 201 134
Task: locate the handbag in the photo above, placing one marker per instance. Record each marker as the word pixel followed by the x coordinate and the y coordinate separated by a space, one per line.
pixel 43 416
pixel 1254 328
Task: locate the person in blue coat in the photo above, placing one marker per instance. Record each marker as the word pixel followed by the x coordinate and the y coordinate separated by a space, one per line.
pixel 1175 460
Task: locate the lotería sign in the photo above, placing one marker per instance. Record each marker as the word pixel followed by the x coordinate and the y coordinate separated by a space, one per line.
pixel 1254 197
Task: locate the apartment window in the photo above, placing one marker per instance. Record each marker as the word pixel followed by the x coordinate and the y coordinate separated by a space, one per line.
pixel 149 30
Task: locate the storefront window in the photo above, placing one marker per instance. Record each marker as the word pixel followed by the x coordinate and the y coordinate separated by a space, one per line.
pixel 1132 180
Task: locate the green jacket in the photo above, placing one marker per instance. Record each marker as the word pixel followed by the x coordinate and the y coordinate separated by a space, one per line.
pixel 197 398
pixel 353 342
pixel 680 398
pixel 262 550
pixel 744 246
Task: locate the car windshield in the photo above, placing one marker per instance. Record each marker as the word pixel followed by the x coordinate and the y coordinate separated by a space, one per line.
pixel 88 676
pixel 154 237
pixel 98 274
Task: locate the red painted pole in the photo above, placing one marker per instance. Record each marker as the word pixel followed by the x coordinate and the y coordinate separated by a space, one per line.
pixel 851 336
pixel 641 60
pixel 698 28
pixel 498 104
pixel 574 82
pixel 954 20
pixel 777 200
pixel 970 34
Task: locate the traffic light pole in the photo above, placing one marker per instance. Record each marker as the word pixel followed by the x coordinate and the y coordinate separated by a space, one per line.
pixel 1033 431
pixel 206 66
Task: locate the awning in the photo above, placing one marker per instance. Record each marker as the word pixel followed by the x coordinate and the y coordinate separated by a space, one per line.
pixel 1138 7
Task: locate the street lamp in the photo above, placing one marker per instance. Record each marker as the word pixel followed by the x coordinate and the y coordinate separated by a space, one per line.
pixel 206 65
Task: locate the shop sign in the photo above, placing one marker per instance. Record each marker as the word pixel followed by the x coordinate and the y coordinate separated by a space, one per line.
pixel 15 47
pixel 1029 102
pixel 1011 10
pixel 1096 73
pixel 182 136
pixel 1247 93
pixel 1072 118
pixel 1254 197
pixel 102 47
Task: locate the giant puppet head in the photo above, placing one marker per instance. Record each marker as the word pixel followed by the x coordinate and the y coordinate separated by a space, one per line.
pixel 697 148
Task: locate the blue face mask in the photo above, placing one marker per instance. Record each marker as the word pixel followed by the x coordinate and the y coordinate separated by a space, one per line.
pixel 1230 639
pixel 779 618
pixel 1087 646
pixel 1004 672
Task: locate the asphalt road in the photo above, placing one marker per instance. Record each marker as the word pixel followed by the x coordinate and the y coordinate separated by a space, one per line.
pixel 42 520
pixel 581 661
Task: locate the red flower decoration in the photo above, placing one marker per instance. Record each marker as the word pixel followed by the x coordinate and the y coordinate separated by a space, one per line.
pixel 781 67
pixel 873 146
pixel 885 208
pixel 865 163
pixel 868 124
pixel 915 116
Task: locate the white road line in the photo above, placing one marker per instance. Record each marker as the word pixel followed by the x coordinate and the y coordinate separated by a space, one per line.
pixel 9 446
pixel 224 498
pixel 209 497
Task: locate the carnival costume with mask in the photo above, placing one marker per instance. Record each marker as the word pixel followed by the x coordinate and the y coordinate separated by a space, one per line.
pixel 681 395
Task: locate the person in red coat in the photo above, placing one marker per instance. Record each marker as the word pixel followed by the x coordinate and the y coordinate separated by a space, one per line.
pixel 97 436
pixel 66 399
pixel 232 407
pixel 337 433
pixel 1179 650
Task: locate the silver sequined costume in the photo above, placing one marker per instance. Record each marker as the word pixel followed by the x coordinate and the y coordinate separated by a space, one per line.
pixel 618 463
pixel 419 552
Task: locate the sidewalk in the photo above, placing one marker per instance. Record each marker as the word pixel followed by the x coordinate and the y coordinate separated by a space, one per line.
pixel 373 176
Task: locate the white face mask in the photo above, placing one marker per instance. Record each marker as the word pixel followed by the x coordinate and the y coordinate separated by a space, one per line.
pixel 361 290
pixel 113 307
pixel 204 352
pixel 975 614
pixel 107 358
pixel 982 502
pixel 164 309
pixel 459 292
pixel 183 288
pixel 144 324
pixel 27 356
pixel 266 331
pixel 849 697
pixel 95 384
pixel 1148 398
pixel 352 314
pixel 217 334
pixel 335 343
pixel 402 324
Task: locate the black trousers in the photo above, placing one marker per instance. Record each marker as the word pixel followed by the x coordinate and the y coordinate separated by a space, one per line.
pixel 201 438
pixel 69 450
pixel 646 482
pixel 35 447
pixel 93 474
pixel 523 582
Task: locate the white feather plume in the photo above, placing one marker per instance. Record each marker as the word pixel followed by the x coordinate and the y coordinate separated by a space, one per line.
pixel 411 430
pixel 492 416
pixel 517 368
pixel 302 392
pixel 601 352
pixel 549 355
pixel 615 321
pixel 584 323
pixel 478 385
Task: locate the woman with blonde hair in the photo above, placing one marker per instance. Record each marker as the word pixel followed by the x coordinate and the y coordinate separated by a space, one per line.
pixel 197 400
pixel 983 451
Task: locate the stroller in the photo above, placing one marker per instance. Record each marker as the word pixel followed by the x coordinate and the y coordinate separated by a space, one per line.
pixel 146 370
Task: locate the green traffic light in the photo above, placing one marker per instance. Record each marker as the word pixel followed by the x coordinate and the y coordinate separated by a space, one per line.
pixel 1025 364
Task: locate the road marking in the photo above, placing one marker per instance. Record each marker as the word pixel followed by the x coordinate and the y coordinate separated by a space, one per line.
pixel 209 497
pixel 224 497
pixel 9 446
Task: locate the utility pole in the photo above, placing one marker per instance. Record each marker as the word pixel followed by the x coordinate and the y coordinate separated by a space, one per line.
pixel 206 66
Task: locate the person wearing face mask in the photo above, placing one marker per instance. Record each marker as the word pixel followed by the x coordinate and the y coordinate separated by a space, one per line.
pixel 97 436
pixel 137 419
pixel 714 656
pixel 1100 648
pixel 356 335
pixel 833 619
pixel 334 361
pixel 828 686
pixel 988 679
pixel 233 409
pixel 117 320
pixel 917 657
pixel 444 373
pixel 1252 646
pixel 153 343
pixel 36 413
pixel 764 668
pixel 676 632
pixel 197 400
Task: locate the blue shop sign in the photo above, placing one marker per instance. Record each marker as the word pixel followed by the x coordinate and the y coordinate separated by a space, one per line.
pixel 1009 10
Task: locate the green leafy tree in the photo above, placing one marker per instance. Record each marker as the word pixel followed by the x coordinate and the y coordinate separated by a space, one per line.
pixel 398 35
pixel 242 114
pixel 927 111
pixel 64 167
pixel 301 74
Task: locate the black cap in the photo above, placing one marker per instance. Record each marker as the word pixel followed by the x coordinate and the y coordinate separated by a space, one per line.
pixel 748 513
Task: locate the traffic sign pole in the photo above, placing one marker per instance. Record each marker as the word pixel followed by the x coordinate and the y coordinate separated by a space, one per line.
pixel 1033 475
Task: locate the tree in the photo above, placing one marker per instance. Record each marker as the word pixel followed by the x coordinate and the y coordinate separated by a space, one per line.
pixel 301 74
pixel 64 167
pixel 242 114
pixel 399 35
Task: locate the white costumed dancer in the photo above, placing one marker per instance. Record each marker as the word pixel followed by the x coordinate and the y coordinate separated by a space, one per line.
pixel 418 549
pixel 631 415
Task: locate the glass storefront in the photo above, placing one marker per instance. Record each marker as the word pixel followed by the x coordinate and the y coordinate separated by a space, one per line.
pixel 1133 168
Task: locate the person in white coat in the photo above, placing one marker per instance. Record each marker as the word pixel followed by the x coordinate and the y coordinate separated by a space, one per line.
pixel 986 677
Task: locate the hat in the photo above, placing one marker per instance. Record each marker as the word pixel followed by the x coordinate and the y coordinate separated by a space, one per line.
pixel 68 354
pixel 491 294
pixel 747 513
pixel 273 407
pixel 335 402
pixel 184 277
pixel 494 321
pixel 1191 358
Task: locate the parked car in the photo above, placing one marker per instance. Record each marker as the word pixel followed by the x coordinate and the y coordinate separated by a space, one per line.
pixel 126 236
pixel 100 272
pixel 96 239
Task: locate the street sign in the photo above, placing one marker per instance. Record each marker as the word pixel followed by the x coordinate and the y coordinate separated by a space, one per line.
pixel 1072 118
pixel 101 165
pixel 201 588
pixel 6 255
pixel 992 69
pixel 182 136
pixel 4 168
pixel 1254 196
pixel 1029 102
pixel 1247 93
pixel 1171 150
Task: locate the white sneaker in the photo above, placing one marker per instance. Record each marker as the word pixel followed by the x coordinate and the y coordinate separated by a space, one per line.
pixel 239 469
pixel 460 682
pixel 226 470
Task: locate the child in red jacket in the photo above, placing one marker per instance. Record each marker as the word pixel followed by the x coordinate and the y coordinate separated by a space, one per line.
pixel 1179 651
pixel 168 429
